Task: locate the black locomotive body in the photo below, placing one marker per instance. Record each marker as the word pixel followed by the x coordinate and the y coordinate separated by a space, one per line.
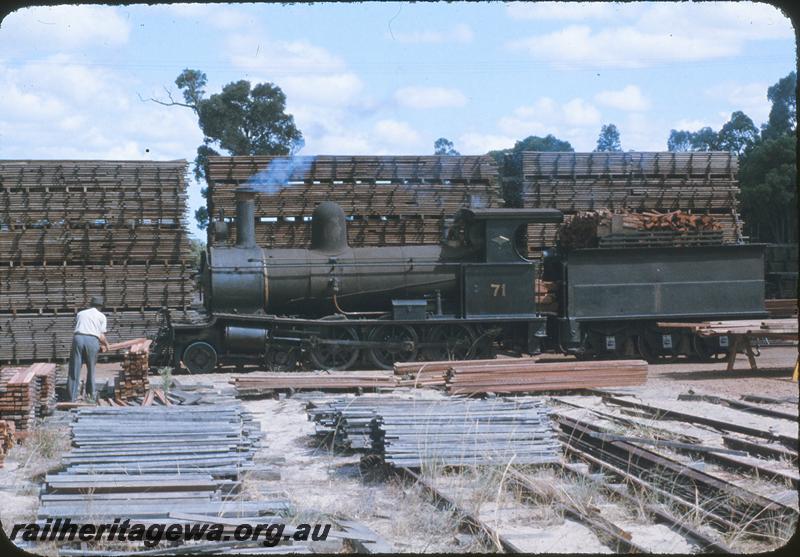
pixel 335 306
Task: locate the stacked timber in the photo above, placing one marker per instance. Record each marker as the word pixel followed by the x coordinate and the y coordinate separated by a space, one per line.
pixel 516 376
pixel 7 435
pixel 466 433
pixel 45 376
pixel 259 384
pixel 158 464
pixel 388 200
pixel 19 397
pixel 70 230
pixel 132 381
pixel 26 337
pixel 430 374
pixel 588 229
pixel 414 432
pixel 645 182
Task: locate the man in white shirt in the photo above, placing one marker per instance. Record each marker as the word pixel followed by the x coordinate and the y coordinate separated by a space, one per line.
pixel 88 340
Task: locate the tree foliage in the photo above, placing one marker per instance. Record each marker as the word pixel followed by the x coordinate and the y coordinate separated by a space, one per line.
pixel 783 114
pixel 242 119
pixel 736 135
pixel 608 141
pixel 768 181
pixel 510 163
pixel 444 146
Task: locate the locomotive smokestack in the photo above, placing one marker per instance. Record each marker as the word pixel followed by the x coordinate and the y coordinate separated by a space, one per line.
pixel 245 217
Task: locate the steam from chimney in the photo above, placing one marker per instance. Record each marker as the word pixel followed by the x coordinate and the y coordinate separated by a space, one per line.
pixel 279 173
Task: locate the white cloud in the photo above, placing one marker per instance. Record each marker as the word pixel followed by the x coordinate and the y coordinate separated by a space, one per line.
pixel 664 32
pixel 578 112
pixel 257 53
pixel 476 143
pixel 430 97
pixel 628 98
pixel 219 16
pixel 560 10
pixel 547 116
pixel 750 98
pixel 460 33
pixel 396 133
pixel 327 89
pixel 65 27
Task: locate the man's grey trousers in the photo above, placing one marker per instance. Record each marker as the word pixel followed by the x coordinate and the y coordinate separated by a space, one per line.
pixel 84 351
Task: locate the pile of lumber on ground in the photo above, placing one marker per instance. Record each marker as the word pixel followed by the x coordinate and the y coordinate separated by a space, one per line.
pixel 132 379
pixel 7 434
pixel 586 228
pixel 514 376
pixel 27 393
pixel 644 182
pixel 412 433
pixel 431 374
pixel 257 383
pixel 70 230
pixel 19 397
pixel 402 200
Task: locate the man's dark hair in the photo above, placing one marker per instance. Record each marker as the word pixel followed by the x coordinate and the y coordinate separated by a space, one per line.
pixel 96 302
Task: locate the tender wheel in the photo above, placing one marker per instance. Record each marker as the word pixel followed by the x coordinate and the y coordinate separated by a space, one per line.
pixel 335 357
pixel 200 357
pixel 705 350
pixel 282 359
pixel 457 342
pixel 649 347
pixel 400 345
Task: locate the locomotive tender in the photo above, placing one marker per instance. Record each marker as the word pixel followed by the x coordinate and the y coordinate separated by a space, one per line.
pixel 335 306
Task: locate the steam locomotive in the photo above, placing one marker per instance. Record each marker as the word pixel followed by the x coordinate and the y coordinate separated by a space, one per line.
pixel 333 307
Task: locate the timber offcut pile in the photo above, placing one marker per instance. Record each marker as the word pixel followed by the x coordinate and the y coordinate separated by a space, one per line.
pixel 411 433
pixel 132 379
pixel 7 435
pixel 388 200
pixel 27 393
pixel 590 229
pixel 695 184
pixel 70 230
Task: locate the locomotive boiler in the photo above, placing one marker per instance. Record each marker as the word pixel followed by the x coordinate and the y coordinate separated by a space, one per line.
pixel 333 306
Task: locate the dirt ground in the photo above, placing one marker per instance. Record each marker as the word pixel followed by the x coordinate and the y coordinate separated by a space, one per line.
pixel 315 478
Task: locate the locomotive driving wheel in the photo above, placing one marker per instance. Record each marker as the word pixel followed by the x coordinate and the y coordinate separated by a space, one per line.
pixel 332 356
pixel 200 357
pixel 452 342
pixel 398 344
pixel 282 359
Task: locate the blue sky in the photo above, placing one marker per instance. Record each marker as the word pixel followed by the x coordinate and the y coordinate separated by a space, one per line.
pixel 387 78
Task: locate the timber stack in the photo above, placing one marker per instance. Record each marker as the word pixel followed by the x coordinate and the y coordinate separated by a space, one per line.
pixel 516 377
pixel 73 229
pixel 19 396
pixel 259 384
pixel 132 381
pixel 7 435
pixel 412 433
pixel 696 184
pixel 388 200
